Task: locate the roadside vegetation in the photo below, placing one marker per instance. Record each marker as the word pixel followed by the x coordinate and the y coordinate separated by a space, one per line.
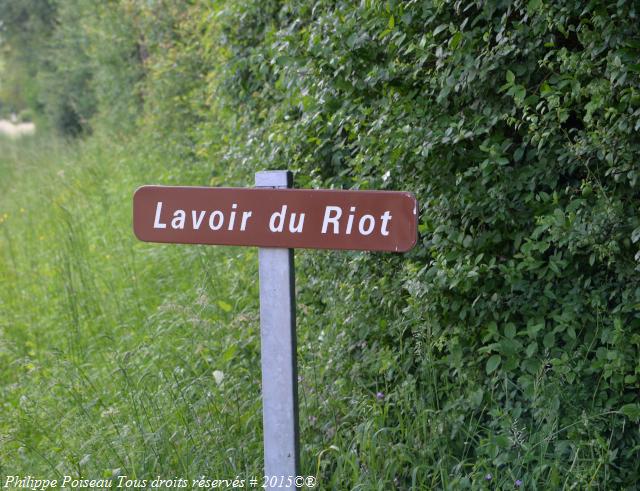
pixel 502 352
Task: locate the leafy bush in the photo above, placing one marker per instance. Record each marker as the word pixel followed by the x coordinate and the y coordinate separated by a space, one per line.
pixel 511 333
pixel 25 26
pixel 70 60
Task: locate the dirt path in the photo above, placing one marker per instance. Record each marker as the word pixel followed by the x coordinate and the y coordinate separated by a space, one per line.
pixel 7 128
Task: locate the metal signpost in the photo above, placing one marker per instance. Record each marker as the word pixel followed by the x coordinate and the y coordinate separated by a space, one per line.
pixel 278 350
pixel 277 219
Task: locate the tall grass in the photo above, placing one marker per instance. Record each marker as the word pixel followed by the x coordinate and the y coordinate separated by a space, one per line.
pixel 108 345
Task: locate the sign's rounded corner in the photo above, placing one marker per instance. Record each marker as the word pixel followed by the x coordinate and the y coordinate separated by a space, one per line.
pixel 140 189
pixel 413 243
pixel 135 232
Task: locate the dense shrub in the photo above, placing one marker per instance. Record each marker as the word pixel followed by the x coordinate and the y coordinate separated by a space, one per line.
pixel 515 321
pixel 25 27
pixel 70 60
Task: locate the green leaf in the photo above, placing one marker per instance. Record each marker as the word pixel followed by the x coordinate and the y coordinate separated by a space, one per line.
pixel 455 40
pixel 228 354
pixel 510 330
pixel 439 29
pixel 518 154
pixel 531 349
pixel 631 411
pixel 492 364
pixel 224 306
pixel 476 397
pixel 533 6
pixel 549 339
pixel 392 22
pixel 510 77
pixel 534 329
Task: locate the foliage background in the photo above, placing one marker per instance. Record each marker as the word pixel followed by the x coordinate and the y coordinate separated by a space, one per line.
pixel 506 344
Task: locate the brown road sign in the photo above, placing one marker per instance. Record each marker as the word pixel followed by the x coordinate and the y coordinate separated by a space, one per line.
pixel 288 218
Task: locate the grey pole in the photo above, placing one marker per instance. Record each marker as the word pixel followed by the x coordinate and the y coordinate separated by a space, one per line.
pixel 278 353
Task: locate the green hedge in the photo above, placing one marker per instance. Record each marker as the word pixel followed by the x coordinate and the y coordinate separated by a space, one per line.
pixel 515 321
